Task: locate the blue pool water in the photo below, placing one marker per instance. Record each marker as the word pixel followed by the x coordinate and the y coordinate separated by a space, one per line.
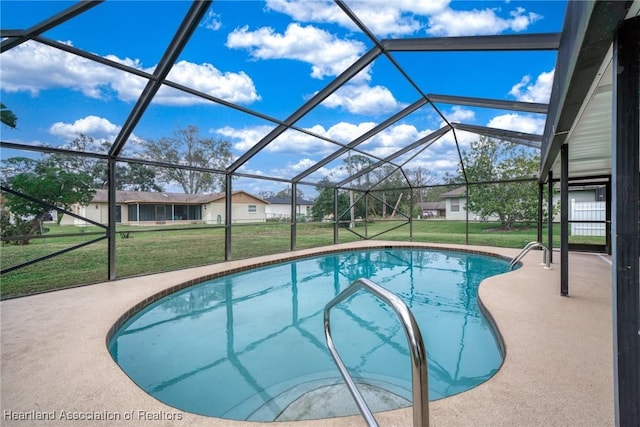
pixel 248 345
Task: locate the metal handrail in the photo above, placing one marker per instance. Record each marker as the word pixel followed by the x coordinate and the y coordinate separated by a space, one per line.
pixel 416 347
pixel 546 256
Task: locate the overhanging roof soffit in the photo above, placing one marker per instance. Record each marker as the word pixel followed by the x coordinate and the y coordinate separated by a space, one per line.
pixel 587 36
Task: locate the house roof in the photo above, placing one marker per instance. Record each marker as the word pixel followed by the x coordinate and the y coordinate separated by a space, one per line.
pixel 129 197
pixel 286 201
pixel 581 105
pixel 456 192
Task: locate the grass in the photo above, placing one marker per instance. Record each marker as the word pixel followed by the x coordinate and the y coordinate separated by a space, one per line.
pixel 153 250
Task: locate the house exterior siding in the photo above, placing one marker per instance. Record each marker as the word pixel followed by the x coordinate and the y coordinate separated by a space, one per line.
pixel 280 208
pixel 461 213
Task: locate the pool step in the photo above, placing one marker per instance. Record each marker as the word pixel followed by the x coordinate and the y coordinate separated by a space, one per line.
pixel 336 401
pixel 328 396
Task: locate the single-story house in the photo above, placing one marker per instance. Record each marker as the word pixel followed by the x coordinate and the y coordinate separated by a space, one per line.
pixel 147 208
pixel 455 204
pixel 432 209
pixel 280 207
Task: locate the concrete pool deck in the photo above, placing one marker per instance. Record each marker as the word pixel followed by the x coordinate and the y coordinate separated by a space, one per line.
pixel 55 365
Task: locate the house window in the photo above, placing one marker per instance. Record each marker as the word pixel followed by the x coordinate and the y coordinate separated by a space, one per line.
pixel 147 213
pixel 253 209
pixel 132 213
pixel 187 212
pixel 455 204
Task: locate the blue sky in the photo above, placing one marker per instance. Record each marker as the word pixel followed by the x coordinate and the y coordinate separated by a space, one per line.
pixel 271 57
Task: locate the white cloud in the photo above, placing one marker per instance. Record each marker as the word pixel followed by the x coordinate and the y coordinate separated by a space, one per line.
pixel 392 139
pixel 445 146
pixel 363 99
pixel 33 67
pixel 301 165
pixel 293 141
pixel 212 21
pixel 459 115
pixel 396 18
pixel 344 132
pixel 290 141
pixel 451 22
pixel 243 138
pixel 232 87
pixel 539 91
pixel 99 129
pixel 300 143
pixel 519 123
pixel 383 17
pixel 93 126
pixel 311 11
pixel 446 164
pixel 441 156
pixel 403 17
pixel 293 169
pixel 327 54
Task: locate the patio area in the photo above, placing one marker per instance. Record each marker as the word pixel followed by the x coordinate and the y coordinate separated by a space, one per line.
pixel 558 368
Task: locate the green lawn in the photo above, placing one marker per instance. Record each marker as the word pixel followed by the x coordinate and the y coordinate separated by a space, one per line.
pixel 153 250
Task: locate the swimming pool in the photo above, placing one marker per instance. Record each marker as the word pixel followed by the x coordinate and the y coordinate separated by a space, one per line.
pixel 250 345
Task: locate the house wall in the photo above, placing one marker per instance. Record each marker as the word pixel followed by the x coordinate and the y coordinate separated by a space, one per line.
pixel 98 212
pixel 456 216
pixel 278 211
pixel 462 215
pixel 240 213
pixel 284 211
pixel 215 212
pixel 583 195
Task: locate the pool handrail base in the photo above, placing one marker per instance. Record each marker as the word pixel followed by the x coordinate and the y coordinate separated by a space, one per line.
pixel 416 347
pixel 546 256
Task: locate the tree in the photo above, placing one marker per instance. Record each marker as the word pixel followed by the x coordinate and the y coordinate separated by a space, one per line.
pixel 7 117
pixel 187 148
pixel 323 204
pixel 421 178
pixel 489 160
pixel 15 165
pixel 285 193
pixel 392 186
pixel 355 163
pixel 265 194
pixel 135 177
pixel 450 181
pixel 56 186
